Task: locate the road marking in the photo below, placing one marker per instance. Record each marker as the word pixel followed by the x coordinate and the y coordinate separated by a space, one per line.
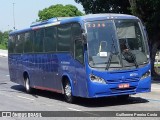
pixel 25 98
pixel 74 109
pixel 154 100
pixel 7 75
pixel 155 89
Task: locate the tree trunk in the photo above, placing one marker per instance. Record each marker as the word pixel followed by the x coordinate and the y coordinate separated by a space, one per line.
pixel 155 47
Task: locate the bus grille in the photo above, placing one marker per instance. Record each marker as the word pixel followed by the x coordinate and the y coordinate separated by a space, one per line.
pixel 118 90
pixel 126 80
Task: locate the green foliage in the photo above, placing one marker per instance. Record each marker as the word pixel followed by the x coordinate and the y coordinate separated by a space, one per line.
pixel 59 11
pixel 3 39
pixel 105 6
pixel 149 12
pixel 2 47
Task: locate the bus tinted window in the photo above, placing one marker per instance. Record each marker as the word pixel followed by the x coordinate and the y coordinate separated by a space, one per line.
pixel 38 40
pixel 19 43
pixel 28 42
pixel 79 51
pixel 50 39
pixel 76 30
pixel 11 44
pixel 64 38
pixel 76 34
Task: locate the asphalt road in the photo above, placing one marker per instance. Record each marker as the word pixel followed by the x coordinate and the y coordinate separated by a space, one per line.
pixel 14 98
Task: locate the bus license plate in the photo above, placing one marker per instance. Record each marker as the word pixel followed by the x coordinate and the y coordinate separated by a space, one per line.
pixel 121 86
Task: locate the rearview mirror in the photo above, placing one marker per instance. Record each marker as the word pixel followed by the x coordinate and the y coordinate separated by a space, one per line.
pixel 84 38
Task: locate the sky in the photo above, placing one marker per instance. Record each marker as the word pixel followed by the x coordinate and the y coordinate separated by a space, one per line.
pixel 25 11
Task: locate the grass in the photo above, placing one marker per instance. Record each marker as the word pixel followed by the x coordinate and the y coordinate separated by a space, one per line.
pixel 156 65
pixel 3 47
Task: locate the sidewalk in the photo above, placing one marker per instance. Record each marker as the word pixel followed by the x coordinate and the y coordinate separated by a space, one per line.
pixel 3 53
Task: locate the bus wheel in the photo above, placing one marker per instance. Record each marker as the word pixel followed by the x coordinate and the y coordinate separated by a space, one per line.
pixel 68 92
pixel 123 97
pixel 27 85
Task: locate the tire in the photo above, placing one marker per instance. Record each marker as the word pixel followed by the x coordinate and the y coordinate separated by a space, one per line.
pixel 123 97
pixel 27 85
pixel 68 92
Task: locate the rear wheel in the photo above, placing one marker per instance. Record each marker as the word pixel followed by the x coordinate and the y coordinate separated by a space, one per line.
pixel 68 92
pixel 27 85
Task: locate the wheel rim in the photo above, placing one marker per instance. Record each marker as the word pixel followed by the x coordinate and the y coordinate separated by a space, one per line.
pixel 27 84
pixel 68 90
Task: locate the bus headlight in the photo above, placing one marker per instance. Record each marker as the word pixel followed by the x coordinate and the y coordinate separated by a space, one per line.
pixel 145 75
pixel 97 79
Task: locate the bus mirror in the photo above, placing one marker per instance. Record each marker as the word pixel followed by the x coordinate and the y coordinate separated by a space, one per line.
pixel 144 27
pixel 84 38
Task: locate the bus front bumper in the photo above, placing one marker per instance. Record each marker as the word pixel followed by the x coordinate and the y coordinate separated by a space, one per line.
pixel 96 90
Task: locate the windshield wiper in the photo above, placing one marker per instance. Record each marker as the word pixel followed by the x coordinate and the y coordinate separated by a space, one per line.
pixel 111 54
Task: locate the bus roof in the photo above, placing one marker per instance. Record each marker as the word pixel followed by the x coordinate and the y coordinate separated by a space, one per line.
pixel 63 20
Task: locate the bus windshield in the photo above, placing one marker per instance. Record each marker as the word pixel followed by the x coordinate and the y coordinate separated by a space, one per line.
pixel 116 44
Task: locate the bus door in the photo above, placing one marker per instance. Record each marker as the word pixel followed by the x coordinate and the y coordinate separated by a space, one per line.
pixel 80 76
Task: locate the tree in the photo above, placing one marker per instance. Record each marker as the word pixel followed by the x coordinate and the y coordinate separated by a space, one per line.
pixel 4 39
pixel 105 6
pixel 59 11
pixel 1 34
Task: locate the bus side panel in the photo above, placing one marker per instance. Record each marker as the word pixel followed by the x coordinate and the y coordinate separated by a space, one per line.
pixel 50 70
pixel 65 67
pixel 15 68
pixel 76 73
pixel 19 67
pixel 12 68
pixel 28 67
pixel 37 72
pixel 81 81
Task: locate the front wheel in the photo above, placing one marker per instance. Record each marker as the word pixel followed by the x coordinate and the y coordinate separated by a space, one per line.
pixel 27 85
pixel 68 92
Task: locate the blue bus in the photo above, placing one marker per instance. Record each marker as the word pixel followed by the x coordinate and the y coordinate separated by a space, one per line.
pixel 89 56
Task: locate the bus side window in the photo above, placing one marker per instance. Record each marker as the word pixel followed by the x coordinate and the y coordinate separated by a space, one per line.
pixel 76 34
pixel 50 39
pixel 79 51
pixel 19 43
pixel 76 30
pixel 11 44
pixel 38 40
pixel 28 43
pixel 64 38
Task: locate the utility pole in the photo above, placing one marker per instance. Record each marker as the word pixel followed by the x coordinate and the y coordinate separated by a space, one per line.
pixel 13 18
